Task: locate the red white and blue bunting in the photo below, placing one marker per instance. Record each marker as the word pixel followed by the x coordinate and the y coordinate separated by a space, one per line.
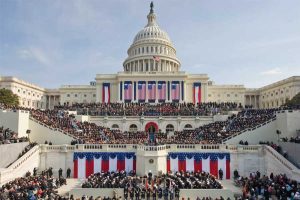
pixel 106 93
pixel 87 163
pixel 197 93
pixel 208 162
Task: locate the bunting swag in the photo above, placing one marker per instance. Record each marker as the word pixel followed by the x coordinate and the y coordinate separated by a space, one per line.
pixel 208 162
pixel 197 93
pixel 151 91
pixel 162 88
pixel 175 91
pixel 86 164
pixel 141 91
pixel 128 91
pixel 106 93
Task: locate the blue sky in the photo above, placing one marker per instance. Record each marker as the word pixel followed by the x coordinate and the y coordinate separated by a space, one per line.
pixel 55 42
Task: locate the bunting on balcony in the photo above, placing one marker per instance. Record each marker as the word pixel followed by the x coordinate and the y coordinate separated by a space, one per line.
pixel 87 163
pixel 208 162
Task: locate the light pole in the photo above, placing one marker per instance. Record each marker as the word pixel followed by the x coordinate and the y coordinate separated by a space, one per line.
pixel 278 132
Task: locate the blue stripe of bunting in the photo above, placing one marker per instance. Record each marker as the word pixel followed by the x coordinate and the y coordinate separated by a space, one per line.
pixel 103 155
pixel 199 156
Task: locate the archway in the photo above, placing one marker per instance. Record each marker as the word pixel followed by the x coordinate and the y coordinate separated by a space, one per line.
pixel 151 127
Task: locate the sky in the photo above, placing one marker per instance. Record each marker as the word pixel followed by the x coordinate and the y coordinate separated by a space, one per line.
pixel 56 42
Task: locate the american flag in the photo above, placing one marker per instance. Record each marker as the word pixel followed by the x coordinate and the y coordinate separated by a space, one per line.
pixel 151 91
pixel 141 91
pixel 127 91
pixel 175 91
pixel 156 58
pixel 162 91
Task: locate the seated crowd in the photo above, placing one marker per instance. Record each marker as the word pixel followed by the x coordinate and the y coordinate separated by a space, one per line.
pixel 165 185
pixel 292 139
pixel 32 187
pixel 212 133
pixel 147 109
pixel 8 136
pixel 275 187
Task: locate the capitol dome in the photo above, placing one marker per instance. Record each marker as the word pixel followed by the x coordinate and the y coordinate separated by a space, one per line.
pixel 151 50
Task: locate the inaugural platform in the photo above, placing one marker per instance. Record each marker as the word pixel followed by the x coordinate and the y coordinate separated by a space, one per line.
pixel 151 131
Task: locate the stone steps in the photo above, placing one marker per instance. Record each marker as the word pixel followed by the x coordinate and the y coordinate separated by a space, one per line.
pixel 71 184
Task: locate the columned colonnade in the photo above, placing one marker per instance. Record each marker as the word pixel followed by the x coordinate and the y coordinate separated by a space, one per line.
pixel 252 100
pixel 182 91
pixel 150 65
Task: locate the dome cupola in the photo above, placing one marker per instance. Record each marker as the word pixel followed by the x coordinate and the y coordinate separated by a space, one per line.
pixel 151 50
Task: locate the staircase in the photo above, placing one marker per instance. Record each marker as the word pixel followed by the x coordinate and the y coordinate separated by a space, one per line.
pixel 71 184
pixel 19 168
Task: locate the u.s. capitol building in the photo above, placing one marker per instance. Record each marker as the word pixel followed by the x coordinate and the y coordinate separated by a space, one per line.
pixel 152 73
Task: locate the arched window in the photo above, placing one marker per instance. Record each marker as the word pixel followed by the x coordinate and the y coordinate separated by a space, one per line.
pixel 115 126
pixel 169 128
pixel 133 128
pixel 188 127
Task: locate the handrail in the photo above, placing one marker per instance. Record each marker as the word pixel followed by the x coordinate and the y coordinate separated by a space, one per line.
pixel 8 173
pixel 23 158
pixel 135 147
pixel 282 159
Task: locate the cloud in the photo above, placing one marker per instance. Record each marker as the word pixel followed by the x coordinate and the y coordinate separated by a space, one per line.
pixel 36 54
pixel 274 71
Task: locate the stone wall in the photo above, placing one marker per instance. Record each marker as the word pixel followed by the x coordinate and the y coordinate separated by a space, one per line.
pixel 10 152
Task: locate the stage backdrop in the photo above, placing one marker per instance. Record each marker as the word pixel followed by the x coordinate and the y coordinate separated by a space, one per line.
pixel 208 162
pixel 87 163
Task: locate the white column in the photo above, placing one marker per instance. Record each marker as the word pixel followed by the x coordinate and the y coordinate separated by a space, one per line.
pixel 169 91
pixel 146 100
pixel 149 66
pixel 184 86
pixel 133 91
pixel 250 100
pixel 49 105
pixel 53 101
pixel 180 91
pixel 119 90
pixel 123 99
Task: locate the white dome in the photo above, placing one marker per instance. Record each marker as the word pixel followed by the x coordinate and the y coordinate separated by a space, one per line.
pixel 151 32
pixel 151 50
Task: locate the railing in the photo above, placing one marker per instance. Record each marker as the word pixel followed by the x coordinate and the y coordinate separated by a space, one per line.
pixel 280 158
pixel 248 129
pixel 9 173
pixel 152 148
pixel 51 128
pixel 24 158
pixel 57 148
pixel 135 147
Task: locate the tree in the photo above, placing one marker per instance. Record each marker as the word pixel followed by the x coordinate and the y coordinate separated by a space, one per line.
pixel 295 101
pixel 7 97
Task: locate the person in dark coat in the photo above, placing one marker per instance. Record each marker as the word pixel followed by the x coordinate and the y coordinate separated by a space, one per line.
pixel 236 174
pixel 60 171
pixel 34 171
pixel 50 172
pixel 68 173
pixel 220 174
